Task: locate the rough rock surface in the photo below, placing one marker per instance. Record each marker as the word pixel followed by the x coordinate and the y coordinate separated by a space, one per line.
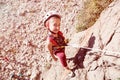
pixel 22 41
pixel 103 61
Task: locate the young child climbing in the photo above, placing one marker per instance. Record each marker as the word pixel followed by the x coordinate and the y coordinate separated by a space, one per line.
pixel 56 41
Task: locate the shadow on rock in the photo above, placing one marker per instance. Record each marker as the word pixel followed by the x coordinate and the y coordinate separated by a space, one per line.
pixel 78 59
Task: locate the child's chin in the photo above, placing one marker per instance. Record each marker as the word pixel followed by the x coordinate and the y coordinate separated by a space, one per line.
pixel 56 32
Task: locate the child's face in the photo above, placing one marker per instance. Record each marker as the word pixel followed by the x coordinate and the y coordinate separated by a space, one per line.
pixel 54 24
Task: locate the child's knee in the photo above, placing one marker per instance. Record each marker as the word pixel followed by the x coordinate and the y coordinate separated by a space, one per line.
pixel 62 56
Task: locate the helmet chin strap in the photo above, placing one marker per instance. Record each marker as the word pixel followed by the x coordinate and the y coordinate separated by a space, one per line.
pixel 52 31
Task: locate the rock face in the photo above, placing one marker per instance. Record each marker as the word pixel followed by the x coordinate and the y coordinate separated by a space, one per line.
pixel 104 63
pixel 22 42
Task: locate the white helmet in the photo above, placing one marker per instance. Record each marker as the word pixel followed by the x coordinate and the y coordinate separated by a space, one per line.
pixel 49 15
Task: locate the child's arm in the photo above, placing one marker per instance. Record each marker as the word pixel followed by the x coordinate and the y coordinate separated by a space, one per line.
pixel 49 46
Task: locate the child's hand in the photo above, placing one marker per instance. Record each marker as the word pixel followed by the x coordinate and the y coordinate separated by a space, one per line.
pixel 67 41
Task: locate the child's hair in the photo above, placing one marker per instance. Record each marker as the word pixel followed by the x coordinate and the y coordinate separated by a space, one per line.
pixel 51 14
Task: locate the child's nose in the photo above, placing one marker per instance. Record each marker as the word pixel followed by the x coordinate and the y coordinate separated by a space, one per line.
pixel 58 27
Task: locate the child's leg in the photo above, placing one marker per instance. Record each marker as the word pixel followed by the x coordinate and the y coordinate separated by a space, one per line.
pixel 61 55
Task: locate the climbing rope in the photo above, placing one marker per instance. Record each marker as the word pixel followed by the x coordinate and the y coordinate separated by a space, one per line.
pixel 93 49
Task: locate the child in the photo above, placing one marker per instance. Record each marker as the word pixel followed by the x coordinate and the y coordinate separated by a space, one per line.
pixel 56 41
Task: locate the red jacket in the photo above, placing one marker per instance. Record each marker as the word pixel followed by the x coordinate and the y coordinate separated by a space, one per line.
pixel 58 42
